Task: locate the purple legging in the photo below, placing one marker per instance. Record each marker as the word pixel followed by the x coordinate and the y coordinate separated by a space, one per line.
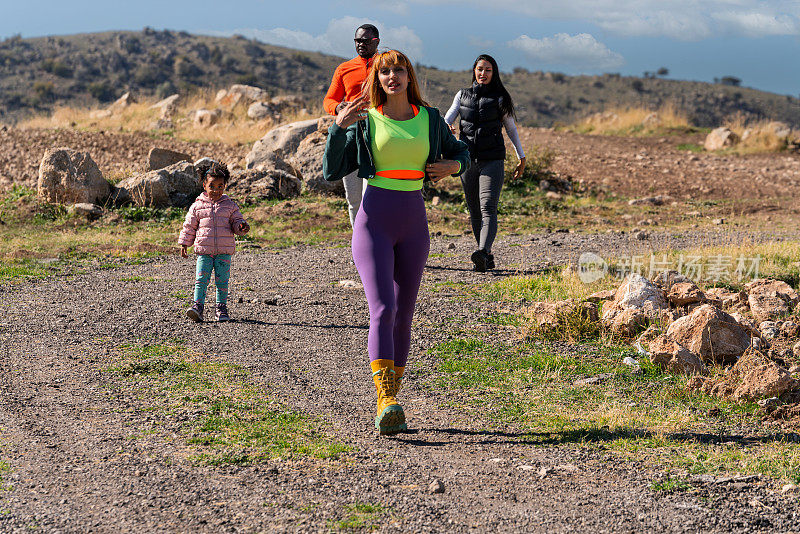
pixel 390 248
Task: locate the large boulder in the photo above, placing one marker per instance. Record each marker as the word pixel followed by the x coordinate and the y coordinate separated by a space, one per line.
pixel 720 138
pixel 205 118
pixel 260 110
pixel 176 185
pixel 723 297
pixel 248 92
pixel 167 107
pixel 781 130
pixel 685 293
pixel 273 161
pixel 71 177
pixel 712 334
pixel 674 357
pixel 122 102
pixel 637 301
pixel 158 158
pixel 770 299
pixel 307 159
pixel 282 140
pixel 267 184
pixel 754 376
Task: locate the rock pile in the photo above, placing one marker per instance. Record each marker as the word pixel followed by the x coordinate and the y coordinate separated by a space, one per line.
pixel 771 134
pixel 685 330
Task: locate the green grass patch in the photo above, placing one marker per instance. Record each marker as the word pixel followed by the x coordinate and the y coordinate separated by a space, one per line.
pixel 234 420
pixel 21 270
pixel 360 516
pixel 553 284
pixel 690 147
pixel 648 416
pixel 670 485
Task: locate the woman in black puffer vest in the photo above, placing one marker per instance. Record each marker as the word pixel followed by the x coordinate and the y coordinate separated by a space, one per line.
pixel 484 109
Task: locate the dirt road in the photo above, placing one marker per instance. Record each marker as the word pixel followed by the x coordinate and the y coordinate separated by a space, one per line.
pixel 73 466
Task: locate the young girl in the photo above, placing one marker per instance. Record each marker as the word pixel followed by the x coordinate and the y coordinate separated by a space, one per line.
pixel 210 226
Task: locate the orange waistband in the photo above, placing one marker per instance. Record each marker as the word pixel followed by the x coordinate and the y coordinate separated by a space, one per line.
pixel 401 174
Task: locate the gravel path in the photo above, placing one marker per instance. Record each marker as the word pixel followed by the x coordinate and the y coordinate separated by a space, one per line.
pixel 74 469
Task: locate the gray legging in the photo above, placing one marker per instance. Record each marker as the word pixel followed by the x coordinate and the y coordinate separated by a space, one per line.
pixel 482 184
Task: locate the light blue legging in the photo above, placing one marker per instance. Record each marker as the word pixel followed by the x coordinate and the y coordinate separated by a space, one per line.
pixel 221 265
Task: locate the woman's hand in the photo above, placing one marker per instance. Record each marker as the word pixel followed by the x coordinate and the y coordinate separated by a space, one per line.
pixel 244 227
pixel 442 168
pixel 519 170
pixel 353 112
pixel 184 252
pixel 452 129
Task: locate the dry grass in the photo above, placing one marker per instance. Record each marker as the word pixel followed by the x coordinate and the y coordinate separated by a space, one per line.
pixel 757 136
pixel 234 127
pixel 634 121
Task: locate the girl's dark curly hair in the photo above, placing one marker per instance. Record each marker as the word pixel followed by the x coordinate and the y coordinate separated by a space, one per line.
pixel 213 169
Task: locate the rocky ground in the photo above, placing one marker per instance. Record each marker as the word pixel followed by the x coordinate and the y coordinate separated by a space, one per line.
pixel 73 466
pixel 630 167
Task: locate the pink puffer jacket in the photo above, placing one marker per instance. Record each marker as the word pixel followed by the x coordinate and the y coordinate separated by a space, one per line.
pixel 211 226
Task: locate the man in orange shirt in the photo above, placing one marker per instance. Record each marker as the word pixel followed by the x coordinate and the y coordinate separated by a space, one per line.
pixel 345 87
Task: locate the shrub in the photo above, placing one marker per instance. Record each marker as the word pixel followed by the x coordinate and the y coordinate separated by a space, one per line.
pixel 537 167
pixel 102 91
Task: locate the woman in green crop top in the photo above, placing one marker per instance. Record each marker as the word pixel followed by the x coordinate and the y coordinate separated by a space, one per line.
pixel 398 141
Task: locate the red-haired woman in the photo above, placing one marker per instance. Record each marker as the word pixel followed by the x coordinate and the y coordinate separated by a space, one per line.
pixel 399 140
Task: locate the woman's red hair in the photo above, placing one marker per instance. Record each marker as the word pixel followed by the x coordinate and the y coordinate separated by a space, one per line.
pixel 390 58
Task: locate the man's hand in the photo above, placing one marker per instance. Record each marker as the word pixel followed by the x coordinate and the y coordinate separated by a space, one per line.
pixel 353 112
pixel 184 251
pixel 442 168
pixel 244 227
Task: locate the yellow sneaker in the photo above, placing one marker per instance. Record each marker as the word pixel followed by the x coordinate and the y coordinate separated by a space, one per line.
pixel 390 418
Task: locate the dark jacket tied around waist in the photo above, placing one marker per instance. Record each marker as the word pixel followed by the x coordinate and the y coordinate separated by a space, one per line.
pixel 482 123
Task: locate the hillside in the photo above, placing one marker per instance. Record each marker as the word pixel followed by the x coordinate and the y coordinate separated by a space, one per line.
pixel 38 74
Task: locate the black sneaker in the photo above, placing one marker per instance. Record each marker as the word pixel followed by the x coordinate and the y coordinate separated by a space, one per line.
pixel 195 313
pixel 480 259
pixel 222 313
pixel 490 261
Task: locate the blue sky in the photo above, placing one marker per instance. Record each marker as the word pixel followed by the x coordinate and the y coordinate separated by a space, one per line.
pixel 757 41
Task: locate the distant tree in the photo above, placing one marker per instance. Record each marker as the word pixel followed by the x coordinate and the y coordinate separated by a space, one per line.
pixel 638 85
pixel 663 71
pixel 102 91
pixel 730 80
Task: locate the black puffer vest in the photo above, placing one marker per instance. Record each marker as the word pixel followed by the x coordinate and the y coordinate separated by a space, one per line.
pixel 482 123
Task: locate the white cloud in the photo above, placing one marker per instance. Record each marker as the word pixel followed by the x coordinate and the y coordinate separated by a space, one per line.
pixel 338 37
pixel 754 24
pixel 686 20
pixel 581 50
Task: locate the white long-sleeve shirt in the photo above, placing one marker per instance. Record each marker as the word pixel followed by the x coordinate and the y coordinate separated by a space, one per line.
pixel 508 124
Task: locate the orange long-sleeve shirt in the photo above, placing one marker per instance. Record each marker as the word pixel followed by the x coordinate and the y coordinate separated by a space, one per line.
pixel 346 84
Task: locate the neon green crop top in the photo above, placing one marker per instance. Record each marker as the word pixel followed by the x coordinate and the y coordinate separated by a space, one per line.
pixel 400 150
